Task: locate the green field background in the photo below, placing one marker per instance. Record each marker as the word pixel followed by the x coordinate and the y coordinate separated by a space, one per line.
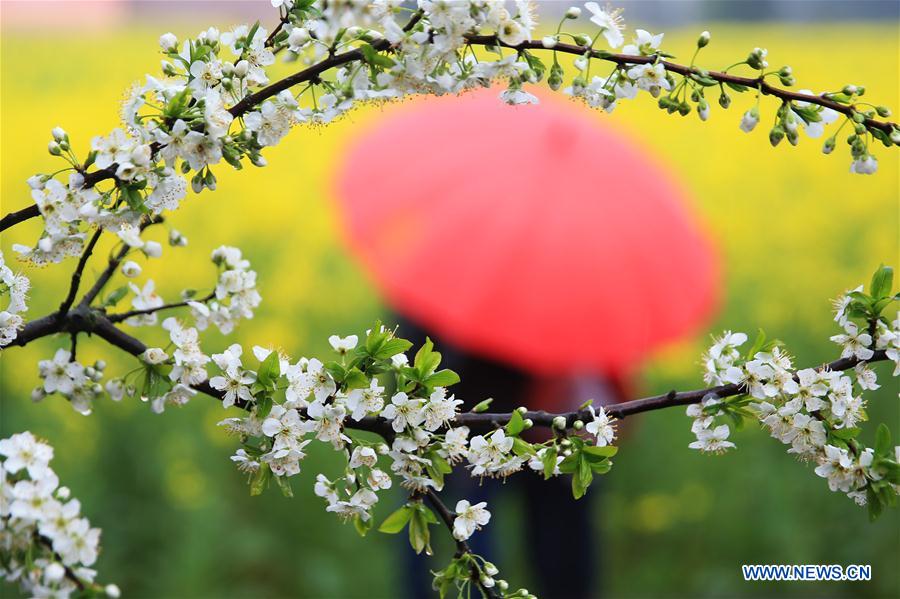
pixel 794 228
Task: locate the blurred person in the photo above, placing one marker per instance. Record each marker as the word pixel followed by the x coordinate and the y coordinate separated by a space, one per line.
pixel 561 540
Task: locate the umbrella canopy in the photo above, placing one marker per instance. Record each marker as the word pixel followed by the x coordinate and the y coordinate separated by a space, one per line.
pixel 536 234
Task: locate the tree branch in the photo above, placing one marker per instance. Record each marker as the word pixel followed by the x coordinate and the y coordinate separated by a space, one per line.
pixel 461 546
pixel 87 320
pixel 115 318
pixel 721 77
pixel 312 73
pixel 14 218
pixel 76 276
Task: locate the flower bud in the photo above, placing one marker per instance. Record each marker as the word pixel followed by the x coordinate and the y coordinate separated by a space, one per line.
pixel 724 100
pixel 59 134
pixel 490 569
pixel 895 136
pixel 100 365
pixel 154 355
pixel 528 423
pixel 582 40
pixel 54 149
pixel 776 135
pixel 54 572
pixel 354 32
pixel 37 394
pixel 555 80
pixel 522 410
pixel 63 493
pixel 241 69
pixel 828 146
pixel 703 40
pixel 112 591
pixel 559 422
pixel 168 68
pixel 573 12
pixel 176 239
pixel 131 269
pixel 502 585
pixel 168 42
pixel 883 111
pixel 549 41
pixel 748 122
pixel 850 90
pixel 578 425
pixel 152 249
pixel 487 582
pixel 703 109
pixel 298 37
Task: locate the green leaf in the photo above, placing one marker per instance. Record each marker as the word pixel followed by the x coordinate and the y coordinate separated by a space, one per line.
pixel 263 405
pixel 516 424
pixel 362 526
pixel 874 503
pixel 879 305
pixel 285 485
pixel 426 360
pixel 391 348
pixel 521 447
pixel 549 461
pixel 601 467
pixel 269 370
pixel 737 87
pixel 260 479
pixel 442 378
pixel 582 477
pixel 758 344
pixel 355 379
pixel 371 56
pixel 115 296
pixel 883 440
pixel 882 281
pixel 482 406
pixel 845 433
pixel 606 451
pixel 419 535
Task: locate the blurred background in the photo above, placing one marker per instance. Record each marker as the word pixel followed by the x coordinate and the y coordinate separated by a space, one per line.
pixel 791 228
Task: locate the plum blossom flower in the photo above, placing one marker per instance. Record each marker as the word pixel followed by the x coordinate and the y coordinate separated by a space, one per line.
pixel 469 518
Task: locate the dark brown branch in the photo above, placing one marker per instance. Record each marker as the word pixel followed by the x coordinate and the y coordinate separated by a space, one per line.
pixel 312 73
pixel 14 218
pixel 76 276
pixel 113 264
pixel 87 320
pixel 721 77
pixel 70 573
pixel 114 318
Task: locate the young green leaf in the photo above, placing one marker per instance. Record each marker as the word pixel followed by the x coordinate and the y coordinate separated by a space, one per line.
pixel 442 378
pixel 482 406
pixel 882 281
pixel 516 424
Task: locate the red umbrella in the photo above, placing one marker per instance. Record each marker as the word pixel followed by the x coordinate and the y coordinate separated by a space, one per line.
pixel 536 235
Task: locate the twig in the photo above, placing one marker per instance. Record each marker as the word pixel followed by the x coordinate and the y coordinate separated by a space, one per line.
pixel 114 318
pixel 76 276
pixel 461 546
pixel 312 73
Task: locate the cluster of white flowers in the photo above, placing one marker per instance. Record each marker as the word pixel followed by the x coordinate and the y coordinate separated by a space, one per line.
pixel 235 295
pixel 77 383
pixel 211 103
pixel 16 285
pixel 48 548
pixel 817 411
